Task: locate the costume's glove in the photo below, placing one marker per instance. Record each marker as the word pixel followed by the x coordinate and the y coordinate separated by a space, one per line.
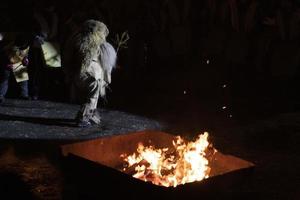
pixel 25 61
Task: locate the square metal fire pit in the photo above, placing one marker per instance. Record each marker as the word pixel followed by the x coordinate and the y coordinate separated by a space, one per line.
pixel 93 167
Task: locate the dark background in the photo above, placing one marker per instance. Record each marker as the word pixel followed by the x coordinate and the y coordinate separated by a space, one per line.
pixel 175 46
pixel 180 56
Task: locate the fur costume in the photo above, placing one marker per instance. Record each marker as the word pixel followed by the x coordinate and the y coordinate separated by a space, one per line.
pixel 88 60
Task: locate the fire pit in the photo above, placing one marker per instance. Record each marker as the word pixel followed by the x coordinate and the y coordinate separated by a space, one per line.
pixel 102 165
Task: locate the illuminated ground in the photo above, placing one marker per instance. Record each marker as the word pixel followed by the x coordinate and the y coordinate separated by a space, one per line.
pixel 263 128
pixel 49 120
pixel 269 140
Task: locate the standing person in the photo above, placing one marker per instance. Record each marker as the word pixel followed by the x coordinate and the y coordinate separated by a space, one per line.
pixel 88 61
pixel 14 60
pixel 36 65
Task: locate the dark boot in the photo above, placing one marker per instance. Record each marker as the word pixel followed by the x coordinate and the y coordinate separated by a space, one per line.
pixel 83 123
pixel 95 118
pixel 82 120
pixel 83 117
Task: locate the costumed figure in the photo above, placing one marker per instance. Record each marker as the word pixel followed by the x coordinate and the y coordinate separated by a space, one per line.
pixel 88 61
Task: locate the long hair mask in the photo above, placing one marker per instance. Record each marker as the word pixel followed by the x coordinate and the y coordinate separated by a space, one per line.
pixel 92 34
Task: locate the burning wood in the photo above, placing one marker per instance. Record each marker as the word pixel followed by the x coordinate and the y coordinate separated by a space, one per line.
pixel 99 165
pixel 184 162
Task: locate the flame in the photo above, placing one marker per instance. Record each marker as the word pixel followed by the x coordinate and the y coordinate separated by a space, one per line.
pixel 185 163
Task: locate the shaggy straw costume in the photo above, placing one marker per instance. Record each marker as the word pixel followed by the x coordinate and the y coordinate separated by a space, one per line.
pixel 88 61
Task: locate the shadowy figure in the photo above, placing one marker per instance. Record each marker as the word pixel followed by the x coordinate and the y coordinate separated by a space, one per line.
pixel 14 60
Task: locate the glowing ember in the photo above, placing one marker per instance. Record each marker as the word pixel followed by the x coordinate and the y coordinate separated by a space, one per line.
pixel 184 163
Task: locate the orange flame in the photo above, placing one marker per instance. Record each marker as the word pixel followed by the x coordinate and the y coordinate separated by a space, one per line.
pixel 166 167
